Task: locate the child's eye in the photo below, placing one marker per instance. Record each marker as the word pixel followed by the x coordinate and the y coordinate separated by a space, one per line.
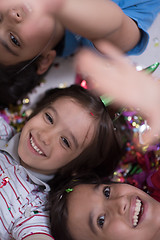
pixel 100 221
pixel 49 118
pixel 106 192
pixel 14 40
pixel 65 141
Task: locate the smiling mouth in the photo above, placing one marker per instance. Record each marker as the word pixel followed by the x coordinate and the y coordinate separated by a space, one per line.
pixel 137 212
pixel 34 146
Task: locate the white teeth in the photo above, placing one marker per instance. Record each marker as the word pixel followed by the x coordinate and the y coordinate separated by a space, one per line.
pixel 35 147
pixel 136 212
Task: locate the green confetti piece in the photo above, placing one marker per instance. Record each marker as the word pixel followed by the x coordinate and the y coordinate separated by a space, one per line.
pixel 106 100
pixel 35 212
pixel 68 190
pixel 151 68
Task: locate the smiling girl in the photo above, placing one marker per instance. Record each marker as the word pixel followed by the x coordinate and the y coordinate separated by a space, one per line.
pixel 89 208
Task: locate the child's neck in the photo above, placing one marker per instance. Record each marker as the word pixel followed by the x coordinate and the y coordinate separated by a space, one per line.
pixel 37 173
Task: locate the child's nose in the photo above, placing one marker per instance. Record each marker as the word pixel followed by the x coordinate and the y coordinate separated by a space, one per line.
pixel 119 205
pixel 123 203
pixel 15 15
pixel 45 137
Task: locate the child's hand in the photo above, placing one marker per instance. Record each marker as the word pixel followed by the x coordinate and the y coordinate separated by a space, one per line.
pixel 114 76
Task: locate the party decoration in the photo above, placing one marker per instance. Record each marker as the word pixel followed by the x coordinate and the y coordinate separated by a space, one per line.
pixel 68 190
pixel 4 182
pixel 156 42
pixel 106 100
pixel 151 68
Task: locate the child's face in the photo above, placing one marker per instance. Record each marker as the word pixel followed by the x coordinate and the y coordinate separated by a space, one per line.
pixel 25 29
pixel 108 212
pixel 55 136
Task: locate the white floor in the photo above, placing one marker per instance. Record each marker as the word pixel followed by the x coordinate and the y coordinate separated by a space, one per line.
pixel 62 74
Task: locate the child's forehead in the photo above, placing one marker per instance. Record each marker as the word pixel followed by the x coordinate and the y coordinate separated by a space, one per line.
pixel 83 188
pixel 72 109
pixel 63 100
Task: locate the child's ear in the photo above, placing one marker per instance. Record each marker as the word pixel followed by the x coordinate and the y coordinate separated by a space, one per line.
pixel 45 61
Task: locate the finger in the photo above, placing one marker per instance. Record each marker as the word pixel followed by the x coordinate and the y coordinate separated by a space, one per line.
pixel 91 67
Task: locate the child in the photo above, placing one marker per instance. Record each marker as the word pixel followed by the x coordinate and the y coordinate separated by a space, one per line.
pixel 124 84
pixel 125 24
pixel 90 208
pixel 69 131
pixel 24 42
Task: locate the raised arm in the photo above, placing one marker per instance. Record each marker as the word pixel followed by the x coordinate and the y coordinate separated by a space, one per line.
pixel 99 19
pixel 114 76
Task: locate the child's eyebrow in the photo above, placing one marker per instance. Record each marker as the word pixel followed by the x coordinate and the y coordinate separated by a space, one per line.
pixel 5 45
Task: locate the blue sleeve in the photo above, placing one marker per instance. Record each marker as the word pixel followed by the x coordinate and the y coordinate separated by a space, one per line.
pixel 143 12
pixel 141 46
